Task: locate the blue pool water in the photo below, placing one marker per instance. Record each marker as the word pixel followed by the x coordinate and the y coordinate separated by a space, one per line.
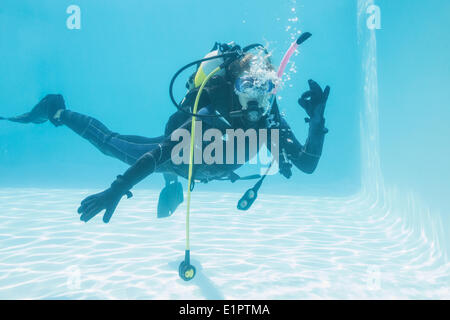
pixel 368 224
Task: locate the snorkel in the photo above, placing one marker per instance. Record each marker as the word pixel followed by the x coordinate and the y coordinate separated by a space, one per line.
pixel 287 56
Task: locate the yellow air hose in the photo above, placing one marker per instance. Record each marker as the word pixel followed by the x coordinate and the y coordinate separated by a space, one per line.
pixel 191 155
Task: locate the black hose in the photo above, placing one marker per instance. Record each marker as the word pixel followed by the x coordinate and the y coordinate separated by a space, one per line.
pixel 255 45
pixel 184 68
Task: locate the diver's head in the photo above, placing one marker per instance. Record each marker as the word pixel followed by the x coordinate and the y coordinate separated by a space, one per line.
pixel 254 81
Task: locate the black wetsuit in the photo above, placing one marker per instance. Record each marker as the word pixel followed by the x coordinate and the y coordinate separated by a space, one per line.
pixel 148 155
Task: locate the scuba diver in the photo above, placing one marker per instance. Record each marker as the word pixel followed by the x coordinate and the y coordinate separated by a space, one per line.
pixel 239 95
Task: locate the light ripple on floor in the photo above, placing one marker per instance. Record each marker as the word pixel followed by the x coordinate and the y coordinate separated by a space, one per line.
pixel 285 247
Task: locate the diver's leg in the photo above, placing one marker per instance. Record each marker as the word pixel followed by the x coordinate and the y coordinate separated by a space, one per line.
pixel 128 149
pixel 170 178
pixel 170 197
pixel 125 148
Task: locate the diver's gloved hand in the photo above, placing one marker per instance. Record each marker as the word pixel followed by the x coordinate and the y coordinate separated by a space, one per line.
pixel 108 199
pixel 314 101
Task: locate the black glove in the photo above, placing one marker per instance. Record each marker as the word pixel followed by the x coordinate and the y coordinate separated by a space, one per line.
pixel 108 199
pixel 314 102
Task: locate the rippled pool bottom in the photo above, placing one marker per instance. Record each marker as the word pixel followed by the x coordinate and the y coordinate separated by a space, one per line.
pixel 284 248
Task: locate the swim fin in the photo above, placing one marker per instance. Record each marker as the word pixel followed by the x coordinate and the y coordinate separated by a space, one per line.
pixel 169 199
pixel 43 111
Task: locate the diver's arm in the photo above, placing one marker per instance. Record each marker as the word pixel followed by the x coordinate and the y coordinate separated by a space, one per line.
pixel 145 165
pixel 109 199
pixel 306 157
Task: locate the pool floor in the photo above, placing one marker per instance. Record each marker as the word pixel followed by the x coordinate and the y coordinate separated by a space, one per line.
pixel 285 247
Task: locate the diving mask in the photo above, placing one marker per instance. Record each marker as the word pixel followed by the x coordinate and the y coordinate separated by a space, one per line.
pixel 253 87
pixel 255 96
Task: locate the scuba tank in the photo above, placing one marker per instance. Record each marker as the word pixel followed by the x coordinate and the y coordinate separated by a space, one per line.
pixel 221 55
pixel 215 58
pixel 206 67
